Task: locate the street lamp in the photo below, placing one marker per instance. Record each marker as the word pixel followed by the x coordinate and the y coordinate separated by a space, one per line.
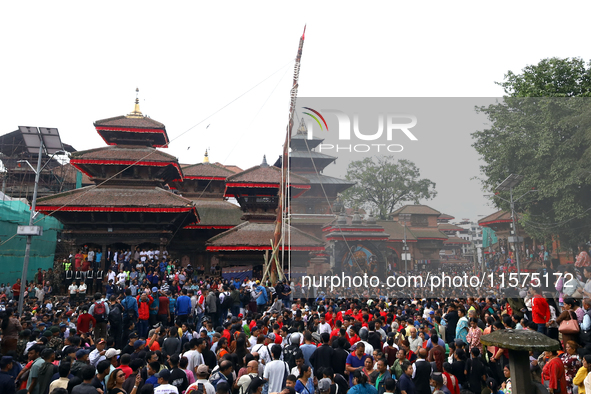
pixel 36 140
pixel 508 185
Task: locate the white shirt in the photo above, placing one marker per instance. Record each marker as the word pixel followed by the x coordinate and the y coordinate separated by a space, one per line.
pixel 209 389
pixel 253 341
pixel 194 359
pixel 587 383
pixel 73 288
pixel 264 355
pixel 274 372
pixel 95 357
pixel 111 276
pixel 166 389
pixel 324 328
pixel 82 288
pixel 121 277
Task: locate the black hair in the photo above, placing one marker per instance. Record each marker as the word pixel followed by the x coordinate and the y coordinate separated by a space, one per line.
pixel 361 378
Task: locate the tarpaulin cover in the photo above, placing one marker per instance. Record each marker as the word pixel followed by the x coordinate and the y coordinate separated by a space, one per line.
pixel 238 272
pixel 12 251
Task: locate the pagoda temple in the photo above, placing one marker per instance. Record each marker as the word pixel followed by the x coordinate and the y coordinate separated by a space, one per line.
pixel 313 211
pixel 256 190
pixel 204 184
pixel 128 205
pixel 357 246
pixel 421 221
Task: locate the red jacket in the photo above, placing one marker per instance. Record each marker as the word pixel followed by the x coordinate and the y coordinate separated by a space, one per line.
pixel 540 311
pixel 143 308
pixel 84 321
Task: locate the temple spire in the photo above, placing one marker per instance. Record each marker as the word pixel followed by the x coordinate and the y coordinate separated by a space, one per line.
pixel 206 157
pixel 302 129
pixel 136 109
pixel 264 163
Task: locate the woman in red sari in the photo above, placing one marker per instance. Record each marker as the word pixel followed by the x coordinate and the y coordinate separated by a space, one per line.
pixel 553 376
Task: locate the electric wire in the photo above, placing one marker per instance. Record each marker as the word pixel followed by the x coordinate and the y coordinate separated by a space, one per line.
pixel 147 155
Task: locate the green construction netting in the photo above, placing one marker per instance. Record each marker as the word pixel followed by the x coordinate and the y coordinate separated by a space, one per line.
pixel 12 252
pixel 488 237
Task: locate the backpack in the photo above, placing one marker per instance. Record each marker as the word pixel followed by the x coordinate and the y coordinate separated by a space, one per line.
pixel 227 304
pixel 115 316
pixel 100 312
pixel 218 306
pixel 289 353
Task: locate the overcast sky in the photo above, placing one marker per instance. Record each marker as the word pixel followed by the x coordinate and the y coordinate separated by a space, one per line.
pixel 66 64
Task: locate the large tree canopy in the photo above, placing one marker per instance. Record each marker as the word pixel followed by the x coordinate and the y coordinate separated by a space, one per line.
pixel 382 184
pixel 542 130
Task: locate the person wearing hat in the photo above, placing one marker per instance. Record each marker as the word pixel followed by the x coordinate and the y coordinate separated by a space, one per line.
pixel 164 386
pixel 202 384
pixel 112 356
pixel 324 386
pixel 55 342
pixel 98 354
pixel 81 362
pixel 6 380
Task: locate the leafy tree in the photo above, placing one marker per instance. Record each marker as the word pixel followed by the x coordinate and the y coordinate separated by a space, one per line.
pixel 382 184
pixel 542 130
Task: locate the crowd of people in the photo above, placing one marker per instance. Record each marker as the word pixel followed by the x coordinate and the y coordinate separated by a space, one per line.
pixel 179 330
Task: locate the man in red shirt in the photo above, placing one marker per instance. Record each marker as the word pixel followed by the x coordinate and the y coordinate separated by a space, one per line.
pixel 16 289
pixel 540 311
pixel 83 323
pixel 163 309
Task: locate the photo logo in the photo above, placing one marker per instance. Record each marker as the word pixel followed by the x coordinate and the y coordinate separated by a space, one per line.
pixel 315 118
pixel 394 126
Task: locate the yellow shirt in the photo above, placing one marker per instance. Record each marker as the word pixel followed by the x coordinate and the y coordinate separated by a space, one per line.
pixel 579 379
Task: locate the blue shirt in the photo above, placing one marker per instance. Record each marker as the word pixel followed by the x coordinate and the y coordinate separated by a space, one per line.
pixel 261 299
pixel 155 305
pixel 405 383
pixel 307 389
pixel 307 351
pixel 183 305
pixel 355 362
pixel 130 303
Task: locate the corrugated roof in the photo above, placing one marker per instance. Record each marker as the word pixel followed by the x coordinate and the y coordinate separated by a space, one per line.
pixel 260 234
pixel 124 121
pixel 218 213
pixel 264 174
pixel 449 227
pixel 396 230
pixel 327 180
pixel 298 154
pixel 497 217
pixel 431 233
pixel 93 196
pixel 416 209
pixel 126 152
pixel 207 170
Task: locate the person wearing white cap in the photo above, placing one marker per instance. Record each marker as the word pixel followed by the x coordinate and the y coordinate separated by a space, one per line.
pixel 201 382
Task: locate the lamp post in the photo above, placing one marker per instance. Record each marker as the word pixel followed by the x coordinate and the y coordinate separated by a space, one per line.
pixel 40 139
pixel 508 185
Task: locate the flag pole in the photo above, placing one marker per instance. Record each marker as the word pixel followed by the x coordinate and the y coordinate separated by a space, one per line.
pixel 274 273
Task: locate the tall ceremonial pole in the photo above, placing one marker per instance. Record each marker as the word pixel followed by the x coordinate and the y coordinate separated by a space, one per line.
pixel 276 267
